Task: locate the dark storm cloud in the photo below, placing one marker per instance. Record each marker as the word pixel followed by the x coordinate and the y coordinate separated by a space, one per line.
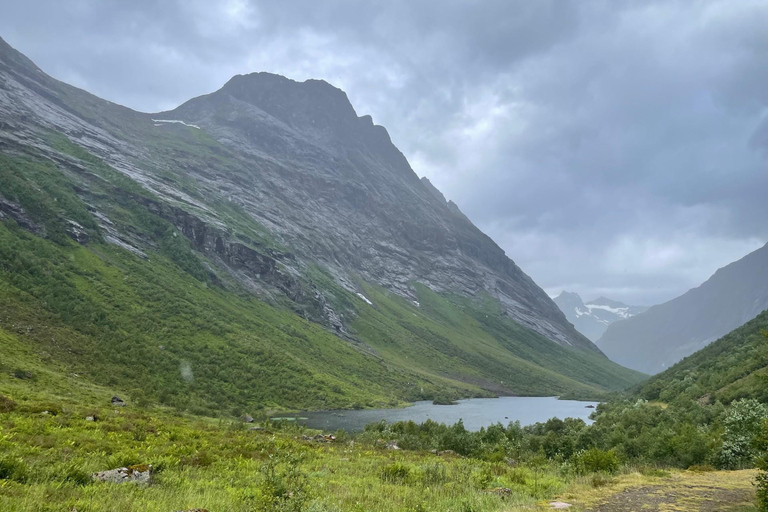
pixel 611 147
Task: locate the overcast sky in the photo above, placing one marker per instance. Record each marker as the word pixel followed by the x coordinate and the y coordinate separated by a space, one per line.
pixel 611 147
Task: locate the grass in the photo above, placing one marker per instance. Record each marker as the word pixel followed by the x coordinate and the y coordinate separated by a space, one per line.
pixel 46 460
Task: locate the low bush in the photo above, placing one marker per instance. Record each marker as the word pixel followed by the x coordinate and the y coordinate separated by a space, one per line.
pixel 6 404
pixel 13 469
pixel 396 473
pixel 595 460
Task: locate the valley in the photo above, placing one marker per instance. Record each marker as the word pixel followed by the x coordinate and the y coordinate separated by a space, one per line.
pixel 234 304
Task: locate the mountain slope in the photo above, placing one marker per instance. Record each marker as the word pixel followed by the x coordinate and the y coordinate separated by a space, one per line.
pixel 592 318
pixel 733 367
pixel 658 338
pixel 261 246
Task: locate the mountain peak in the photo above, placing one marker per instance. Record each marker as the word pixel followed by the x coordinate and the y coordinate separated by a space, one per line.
pixel 312 101
pixel 569 295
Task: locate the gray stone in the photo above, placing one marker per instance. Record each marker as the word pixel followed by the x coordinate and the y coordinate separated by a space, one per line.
pixel 140 474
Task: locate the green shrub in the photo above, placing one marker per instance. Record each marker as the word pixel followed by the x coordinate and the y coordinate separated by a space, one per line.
pixel 742 423
pixel 433 474
pixel 396 473
pixel 13 469
pixel 284 488
pixel 7 404
pixel 595 460
pixel 19 373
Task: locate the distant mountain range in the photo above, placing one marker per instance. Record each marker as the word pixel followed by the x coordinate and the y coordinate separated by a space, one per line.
pixel 592 318
pixel 655 340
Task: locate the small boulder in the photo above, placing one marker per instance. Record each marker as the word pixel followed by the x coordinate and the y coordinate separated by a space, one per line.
pixel 559 505
pixel 140 474
pixel 90 418
pixel 247 418
pixel 117 401
pixel 392 445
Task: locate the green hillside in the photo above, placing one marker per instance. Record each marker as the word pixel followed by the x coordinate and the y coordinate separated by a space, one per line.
pixel 173 328
pixel 733 367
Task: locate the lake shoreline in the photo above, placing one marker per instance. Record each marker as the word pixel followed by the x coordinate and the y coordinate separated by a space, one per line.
pixel 473 412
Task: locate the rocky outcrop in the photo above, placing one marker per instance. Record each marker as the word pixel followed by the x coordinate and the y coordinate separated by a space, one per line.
pixel 10 209
pixel 140 474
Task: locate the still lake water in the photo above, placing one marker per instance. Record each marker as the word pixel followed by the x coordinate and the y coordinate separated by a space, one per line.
pixel 475 412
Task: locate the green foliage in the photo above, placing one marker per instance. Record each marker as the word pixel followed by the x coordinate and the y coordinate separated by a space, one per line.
pixel 284 487
pixel 595 460
pixel 13 469
pixel 396 473
pixel 502 355
pixel 731 368
pixel 46 195
pixel 761 481
pixel 742 422
pixel 7 404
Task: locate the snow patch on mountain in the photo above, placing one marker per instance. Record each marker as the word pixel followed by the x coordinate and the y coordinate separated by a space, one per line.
pixel 594 317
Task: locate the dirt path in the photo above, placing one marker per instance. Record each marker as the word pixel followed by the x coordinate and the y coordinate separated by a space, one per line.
pixel 716 491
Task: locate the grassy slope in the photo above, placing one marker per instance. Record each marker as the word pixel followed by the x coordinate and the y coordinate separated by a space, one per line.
pixel 733 367
pixel 471 341
pixel 106 312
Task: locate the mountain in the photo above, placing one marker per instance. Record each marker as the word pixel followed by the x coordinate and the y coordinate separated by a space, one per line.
pixel 663 335
pixel 594 317
pixel 259 246
pixel 733 367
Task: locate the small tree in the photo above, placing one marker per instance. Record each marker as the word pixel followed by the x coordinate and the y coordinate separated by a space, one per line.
pixel 742 421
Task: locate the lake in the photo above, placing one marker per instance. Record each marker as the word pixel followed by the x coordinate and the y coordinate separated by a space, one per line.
pixel 475 412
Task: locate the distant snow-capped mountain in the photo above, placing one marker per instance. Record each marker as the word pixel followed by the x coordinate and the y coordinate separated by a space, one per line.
pixel 594 317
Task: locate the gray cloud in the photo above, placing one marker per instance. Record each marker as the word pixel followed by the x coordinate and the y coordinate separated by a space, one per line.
pixel 613 148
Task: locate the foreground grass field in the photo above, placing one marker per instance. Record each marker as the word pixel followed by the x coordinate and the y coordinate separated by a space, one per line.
pixel 47 460
pixel 49 448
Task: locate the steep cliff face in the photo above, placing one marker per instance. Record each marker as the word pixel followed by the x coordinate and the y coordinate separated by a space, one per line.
pixel 278 190
pixel 329 172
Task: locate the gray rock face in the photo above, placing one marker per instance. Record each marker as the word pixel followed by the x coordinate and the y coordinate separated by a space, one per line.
pixel 327 185
pixel 328 171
